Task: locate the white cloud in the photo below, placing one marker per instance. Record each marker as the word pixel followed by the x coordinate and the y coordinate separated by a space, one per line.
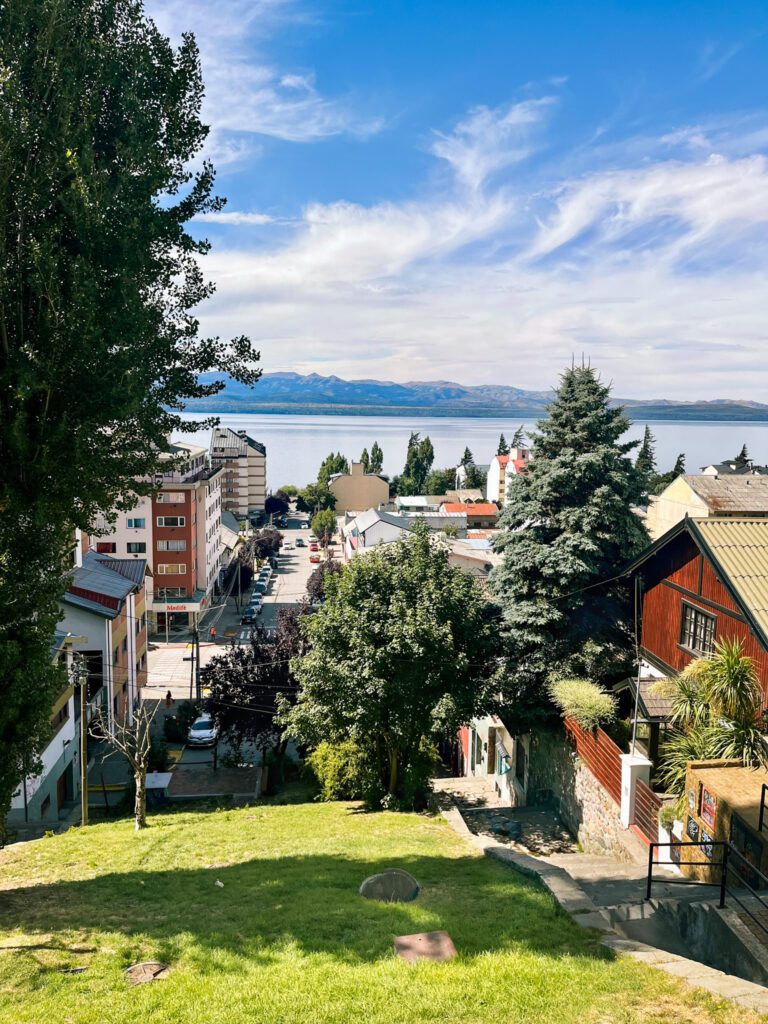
pixel 488 140
pixel 655 269
pixel 246 96
pixel 234 217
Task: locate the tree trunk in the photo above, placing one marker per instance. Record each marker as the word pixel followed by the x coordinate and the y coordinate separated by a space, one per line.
pixel 140 804
pixel 392 772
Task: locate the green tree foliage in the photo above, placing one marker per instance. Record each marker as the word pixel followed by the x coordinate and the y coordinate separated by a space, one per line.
pixel 316 584
pixel 645 465
pixel 247 682
pixel 331 464
pixel 313 498
pixel 99 347
pixel 400 653
pixel 503 447
pixel 474 477
pixel 440 481
pixel 365 460
pixel 418 463
pixel 742 459
pixel 377 458
pixel 663 480
pixel 467 459
pixel 288 490
pixel 566 529
pixel 583 701
pixel 519 438
pixel 324 526
pixel 276 504
pixel 716 704
pixel 265 543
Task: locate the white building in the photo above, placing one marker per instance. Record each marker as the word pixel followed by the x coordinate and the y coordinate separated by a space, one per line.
pixel 244 464
pixel 501 471
pixel 371 529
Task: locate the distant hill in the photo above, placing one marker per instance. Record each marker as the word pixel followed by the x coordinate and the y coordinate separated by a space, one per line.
pixel 312 393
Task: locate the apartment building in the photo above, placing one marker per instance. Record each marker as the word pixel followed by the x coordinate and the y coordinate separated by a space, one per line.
pixel 177 531
pixel 243 462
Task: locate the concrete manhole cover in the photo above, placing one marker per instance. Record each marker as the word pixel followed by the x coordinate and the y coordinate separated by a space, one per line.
pixel 437 946
pixel 392 886
pixel 150 970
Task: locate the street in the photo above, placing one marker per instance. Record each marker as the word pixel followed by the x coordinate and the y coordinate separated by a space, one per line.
pixel 167 668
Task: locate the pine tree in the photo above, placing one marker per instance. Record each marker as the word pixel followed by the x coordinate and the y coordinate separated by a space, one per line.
pixel 742 459
pixel 418 463
pixel 503 448
pixel 665 479
pixel 377 458
pixel 467 459
pixel 518 438
pixel 567 528
pixel 645 465
pixel 365 461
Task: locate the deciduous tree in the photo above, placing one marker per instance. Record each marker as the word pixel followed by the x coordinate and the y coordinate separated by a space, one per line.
pixel 331 464
pixel 324 526
pixel 400 654
pixel 377 458
pixel 99 277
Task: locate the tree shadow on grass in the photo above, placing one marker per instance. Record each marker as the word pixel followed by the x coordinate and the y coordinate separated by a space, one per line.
pixel 270 908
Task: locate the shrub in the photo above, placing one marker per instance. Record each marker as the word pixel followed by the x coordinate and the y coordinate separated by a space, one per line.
pixel 667 816
pixel 176 727
pixel 343 771
pixel 158 760
pixel 583 701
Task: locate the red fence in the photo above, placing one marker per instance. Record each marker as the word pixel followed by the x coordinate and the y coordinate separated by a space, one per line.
pixel 646 815
pixel 600 754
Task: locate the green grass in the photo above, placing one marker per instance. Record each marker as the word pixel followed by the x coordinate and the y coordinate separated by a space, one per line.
pixel 289 940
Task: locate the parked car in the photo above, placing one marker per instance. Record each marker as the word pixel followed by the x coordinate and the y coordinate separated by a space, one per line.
pixel 203 732
pixel 256 602
pixel 314 547
pixel 261 587
pixel 287 546
pixel 315 557
pixel 304 526
pixel 248 618
pixel 300 543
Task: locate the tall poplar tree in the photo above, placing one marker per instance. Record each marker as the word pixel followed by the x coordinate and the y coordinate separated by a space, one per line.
pixel 376 463
pixel 99 347
pixel 567 528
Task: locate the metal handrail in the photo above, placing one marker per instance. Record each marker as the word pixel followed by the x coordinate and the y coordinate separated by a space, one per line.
pixel 728 851
pixel 762 807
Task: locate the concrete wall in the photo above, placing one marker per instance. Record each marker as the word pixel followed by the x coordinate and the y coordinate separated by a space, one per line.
pixel 357 491
pixel 585 807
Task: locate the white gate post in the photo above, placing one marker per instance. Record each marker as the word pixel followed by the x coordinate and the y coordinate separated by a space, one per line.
pixel 633 767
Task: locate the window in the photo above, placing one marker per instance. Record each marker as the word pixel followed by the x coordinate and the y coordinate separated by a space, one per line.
pixel 171 568
pixel 171 497
pixel 106 547
pixel 171 521
pixel 171 545
pixel 60 718
pixel 125 644
pixel 697 631
pixel 137 548
pixel 169 593
pixel 137 524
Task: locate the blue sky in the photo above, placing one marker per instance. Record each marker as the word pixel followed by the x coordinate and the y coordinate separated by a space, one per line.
pixel 478 191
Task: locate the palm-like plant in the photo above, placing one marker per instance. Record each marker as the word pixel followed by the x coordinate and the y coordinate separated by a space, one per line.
pixel 715 712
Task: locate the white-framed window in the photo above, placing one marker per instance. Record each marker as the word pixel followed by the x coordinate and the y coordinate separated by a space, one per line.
pixel 171 497
pixel 171 521
pixel 137 524
pixel 697 630
pixel 171 545
pixel 169 593
pixel 171 569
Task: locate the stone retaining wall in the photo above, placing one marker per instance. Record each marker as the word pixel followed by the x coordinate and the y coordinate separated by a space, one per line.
pixel 585 807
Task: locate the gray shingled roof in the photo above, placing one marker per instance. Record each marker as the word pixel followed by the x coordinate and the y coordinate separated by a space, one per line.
pixel 745 495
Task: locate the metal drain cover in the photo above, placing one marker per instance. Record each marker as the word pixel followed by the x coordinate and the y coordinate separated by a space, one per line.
pixel 150 970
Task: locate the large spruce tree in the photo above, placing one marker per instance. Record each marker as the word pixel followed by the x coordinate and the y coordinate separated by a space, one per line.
pixel 645 465
pixel 567 528
pixel 99 347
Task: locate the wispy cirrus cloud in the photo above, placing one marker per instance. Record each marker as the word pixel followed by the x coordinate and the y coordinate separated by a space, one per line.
pixel 248 96
pixel 237 217
pixel 651 263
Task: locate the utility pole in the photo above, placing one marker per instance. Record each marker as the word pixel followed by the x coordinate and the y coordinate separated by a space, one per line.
pixel 82 683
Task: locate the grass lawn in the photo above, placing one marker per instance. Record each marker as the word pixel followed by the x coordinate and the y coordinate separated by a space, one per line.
pixel 289 940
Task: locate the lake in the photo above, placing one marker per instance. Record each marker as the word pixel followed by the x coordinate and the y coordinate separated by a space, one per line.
pixel 296 445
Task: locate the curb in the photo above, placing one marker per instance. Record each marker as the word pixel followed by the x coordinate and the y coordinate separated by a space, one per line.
pixel 572 899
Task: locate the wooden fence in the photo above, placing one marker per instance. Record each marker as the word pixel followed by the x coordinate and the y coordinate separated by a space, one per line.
pixel 646 813
pixel 600 754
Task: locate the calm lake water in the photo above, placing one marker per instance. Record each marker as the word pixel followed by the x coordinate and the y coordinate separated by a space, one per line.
pixel 296 445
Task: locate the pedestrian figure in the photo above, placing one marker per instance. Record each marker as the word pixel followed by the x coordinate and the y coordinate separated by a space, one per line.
pixel 213 634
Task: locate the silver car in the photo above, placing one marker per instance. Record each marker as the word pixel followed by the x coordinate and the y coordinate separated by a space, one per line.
pixel 203 732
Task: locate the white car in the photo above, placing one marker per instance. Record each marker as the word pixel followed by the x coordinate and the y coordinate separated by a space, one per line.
pixel 203 732
pixel 305 526
pixel 287 546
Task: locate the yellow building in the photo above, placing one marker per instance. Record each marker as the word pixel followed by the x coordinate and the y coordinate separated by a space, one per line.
pixel 705 496
pixel 357 491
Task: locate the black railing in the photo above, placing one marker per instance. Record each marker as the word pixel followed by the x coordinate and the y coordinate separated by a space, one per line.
pixel 763 791
pixel 729 856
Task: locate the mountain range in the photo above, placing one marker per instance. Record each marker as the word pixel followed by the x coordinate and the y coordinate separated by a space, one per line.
pixel 314 394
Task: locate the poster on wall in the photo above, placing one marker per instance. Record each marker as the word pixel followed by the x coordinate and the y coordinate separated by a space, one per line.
pixel 708 806
pixel 692 829
pixel 705 844
pixel 691 800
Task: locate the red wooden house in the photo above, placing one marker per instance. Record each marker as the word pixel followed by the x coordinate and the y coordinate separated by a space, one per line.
pixel 702 581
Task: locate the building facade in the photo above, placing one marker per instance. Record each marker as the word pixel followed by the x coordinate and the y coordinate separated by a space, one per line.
pixel 243 462
pixel 356 490
pixel 707 495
